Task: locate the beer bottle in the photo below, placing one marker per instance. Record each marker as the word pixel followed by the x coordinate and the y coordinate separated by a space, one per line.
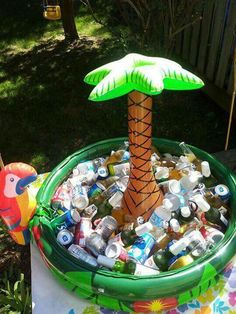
pixel 163 259
pixel 185 214
pixel 128 237
pixel 207 179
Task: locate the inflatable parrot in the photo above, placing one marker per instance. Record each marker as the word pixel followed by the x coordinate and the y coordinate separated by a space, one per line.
pixel 17 204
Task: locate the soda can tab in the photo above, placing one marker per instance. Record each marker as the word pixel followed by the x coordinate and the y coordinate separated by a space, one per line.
pixel 65 237
pixel 102 172
pixel 82 255
pixel 83 230
pixel 141 248
pixel 120 169
pixel 65 221
pixel 95 244
pixel 223 192
pixel 80 198
pixel 83 168
pixel 115 250
pixel 106 227
pixel 90 211
pixel 96 189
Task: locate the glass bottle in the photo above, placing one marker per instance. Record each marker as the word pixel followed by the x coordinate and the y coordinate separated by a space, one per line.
pixel 190 155
pixel 128 237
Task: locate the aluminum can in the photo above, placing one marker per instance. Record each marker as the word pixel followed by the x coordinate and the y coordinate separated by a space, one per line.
pixel 65 237
pixel 223 192
pixel 115 250
pixel 67 220
pixel 106 227
pixel 95 244
pixel 61 199
pixel 83 230
pixel 141 248
pixel 82 255
pixel 96 189
pixel 102 172
pixel 79 197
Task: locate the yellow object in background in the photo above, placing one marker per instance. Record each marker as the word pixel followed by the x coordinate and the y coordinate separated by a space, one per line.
pixel 52 12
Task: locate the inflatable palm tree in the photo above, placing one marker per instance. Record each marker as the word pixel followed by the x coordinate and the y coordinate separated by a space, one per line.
pixel 140 77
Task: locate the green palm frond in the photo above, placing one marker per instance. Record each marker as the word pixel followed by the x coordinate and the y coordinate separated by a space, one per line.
pixel 148 75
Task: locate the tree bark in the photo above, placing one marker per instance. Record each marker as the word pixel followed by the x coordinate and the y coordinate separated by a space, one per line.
pixel 68 21
pixel 143 194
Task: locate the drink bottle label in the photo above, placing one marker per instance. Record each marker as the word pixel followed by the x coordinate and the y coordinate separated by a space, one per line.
pixel 142 270
pixel 224 220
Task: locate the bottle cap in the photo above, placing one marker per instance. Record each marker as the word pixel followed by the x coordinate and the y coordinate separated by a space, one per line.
pixel 185 211
pixel 174 224
pixel 115 200
pixel 179 246
pixel 167 204
pixel 205 168
pixel 106 261
pixel 201 202
pixel 140 230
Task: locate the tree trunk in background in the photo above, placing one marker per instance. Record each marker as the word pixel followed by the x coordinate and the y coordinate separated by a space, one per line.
pixel 68 21
pixel 143 194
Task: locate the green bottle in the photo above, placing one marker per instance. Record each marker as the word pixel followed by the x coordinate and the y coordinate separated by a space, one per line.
pixel 185 214
pixel 128 237
pixel 108 205
pixel 114 265
pixel 208 180
pixel 214 216
pixel 163 259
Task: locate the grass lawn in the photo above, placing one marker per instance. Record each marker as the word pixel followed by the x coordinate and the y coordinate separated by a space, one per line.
pixel 44 111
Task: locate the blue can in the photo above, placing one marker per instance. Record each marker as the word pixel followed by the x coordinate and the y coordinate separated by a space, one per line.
pixel 66 220
pixel 223 192
pixel 142 247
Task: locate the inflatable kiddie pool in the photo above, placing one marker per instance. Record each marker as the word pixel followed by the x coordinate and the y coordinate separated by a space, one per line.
pixel 127 292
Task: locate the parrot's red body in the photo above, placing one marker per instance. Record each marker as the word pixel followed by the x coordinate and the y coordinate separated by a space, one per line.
pixel 16 204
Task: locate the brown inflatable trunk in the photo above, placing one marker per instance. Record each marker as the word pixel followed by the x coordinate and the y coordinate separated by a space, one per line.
pixel 143 194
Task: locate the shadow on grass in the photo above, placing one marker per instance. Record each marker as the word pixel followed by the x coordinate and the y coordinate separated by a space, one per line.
pixel 44 112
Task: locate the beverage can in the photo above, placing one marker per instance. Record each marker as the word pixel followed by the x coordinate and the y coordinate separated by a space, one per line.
pixel 61 199
pixel 115 250
pixel 66 220
pixel 79 197
pixel 65 237
pixel 95 244
pixel 82 255
pixel 96 189
pixel 106 227
pixel 83 230
pixel 141 248
pixel 223 192
pixel 102 172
